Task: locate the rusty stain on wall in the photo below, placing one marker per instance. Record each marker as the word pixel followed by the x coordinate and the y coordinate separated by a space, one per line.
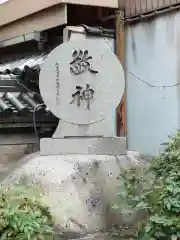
pixel 138 7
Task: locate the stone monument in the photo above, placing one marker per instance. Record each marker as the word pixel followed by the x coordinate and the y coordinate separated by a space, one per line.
pixel 77 169
pixel 82 84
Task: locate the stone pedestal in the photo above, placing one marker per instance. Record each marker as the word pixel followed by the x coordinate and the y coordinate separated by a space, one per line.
pixel 83 145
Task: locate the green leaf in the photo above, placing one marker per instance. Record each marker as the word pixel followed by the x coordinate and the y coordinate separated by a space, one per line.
pixel 148 228
pixel 142 205
pixel 23 215
pixel 115 207
pixel 156 193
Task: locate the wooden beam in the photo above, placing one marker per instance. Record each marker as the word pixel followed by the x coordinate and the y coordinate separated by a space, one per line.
pixel 120 52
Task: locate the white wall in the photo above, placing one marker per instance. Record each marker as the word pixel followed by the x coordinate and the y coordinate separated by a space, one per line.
pixel 153 54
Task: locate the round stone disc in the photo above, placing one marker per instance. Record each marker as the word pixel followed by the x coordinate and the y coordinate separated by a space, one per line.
pixel 81 82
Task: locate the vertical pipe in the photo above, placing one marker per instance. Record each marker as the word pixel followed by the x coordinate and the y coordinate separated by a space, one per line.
pixel 120 48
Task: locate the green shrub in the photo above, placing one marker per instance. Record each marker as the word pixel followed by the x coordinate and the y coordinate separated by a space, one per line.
pixel 23 216
pixel 156 191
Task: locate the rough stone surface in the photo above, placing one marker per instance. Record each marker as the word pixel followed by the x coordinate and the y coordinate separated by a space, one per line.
pixel 97 236
pixel 103 236
pixel 79 189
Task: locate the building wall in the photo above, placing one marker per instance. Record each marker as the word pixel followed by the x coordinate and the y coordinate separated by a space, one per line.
pixel 40 21
pixel 11 154
pixel 153 59
pixel 16 9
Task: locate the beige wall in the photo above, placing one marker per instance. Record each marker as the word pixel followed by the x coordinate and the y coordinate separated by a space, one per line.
pixel 13 147
pixel 101 3
pixel 15 9
pixel 39 21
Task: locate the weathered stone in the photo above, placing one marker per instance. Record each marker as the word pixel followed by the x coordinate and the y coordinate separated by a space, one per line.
pixel 79 189
pixel 104 236
pixel 97 236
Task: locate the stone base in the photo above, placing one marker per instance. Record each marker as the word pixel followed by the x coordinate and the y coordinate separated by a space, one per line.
pixel 104 236
pixel 94 145
pixel 79 189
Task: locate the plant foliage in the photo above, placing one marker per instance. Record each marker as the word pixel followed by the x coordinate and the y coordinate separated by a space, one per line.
pixel 23 216
pixel 156 192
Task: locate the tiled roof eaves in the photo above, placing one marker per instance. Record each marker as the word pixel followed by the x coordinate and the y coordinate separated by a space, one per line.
pixel 15 100
pixel 18 104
